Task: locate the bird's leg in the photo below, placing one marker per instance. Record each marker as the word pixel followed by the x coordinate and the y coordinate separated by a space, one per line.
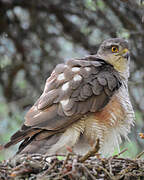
pixel 91 152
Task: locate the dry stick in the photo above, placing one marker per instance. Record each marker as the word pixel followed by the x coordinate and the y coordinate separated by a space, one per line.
pixel 20 172
pixel 66 174
pixel 105 170
pixel 115 156
pixel 139 155
pixel 88 172
pixel 63 166
pixel 49 169
pixel 123 172
pixel 90 153
pixel 110 167
pixel 65 161
pixel 54 155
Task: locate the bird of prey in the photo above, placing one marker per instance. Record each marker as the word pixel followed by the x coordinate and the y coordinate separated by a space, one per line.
pixel 83 100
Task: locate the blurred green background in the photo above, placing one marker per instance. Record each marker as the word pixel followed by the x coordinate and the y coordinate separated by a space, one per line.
pixel 37 35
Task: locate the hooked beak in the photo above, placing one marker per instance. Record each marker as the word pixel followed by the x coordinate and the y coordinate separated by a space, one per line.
pixel 126 54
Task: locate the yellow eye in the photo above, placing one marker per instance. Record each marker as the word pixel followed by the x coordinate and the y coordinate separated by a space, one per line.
pixel 114 49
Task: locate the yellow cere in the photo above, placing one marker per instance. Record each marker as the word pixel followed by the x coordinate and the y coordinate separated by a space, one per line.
pixel 125 50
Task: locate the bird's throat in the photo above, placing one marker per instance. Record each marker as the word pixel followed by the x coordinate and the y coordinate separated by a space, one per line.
pixel 120 65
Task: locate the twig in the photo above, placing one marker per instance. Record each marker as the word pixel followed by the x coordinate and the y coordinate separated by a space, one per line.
pixel 105 170
pixel 49 169
pixel 115 156
pixel 110 167
pixel 139 155
pixel 65 161
pixel 63 166
pixel 90 153
pixel 111 158
pixel 55 155
pixel 88 172
pixel 124 171
pixel 66 174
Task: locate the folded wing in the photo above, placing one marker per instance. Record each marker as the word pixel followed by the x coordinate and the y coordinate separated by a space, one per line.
pixel 74 89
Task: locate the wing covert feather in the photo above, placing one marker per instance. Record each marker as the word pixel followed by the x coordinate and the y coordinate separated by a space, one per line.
pixel 75 88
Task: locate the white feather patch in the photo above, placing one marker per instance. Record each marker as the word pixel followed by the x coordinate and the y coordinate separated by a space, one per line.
pixel 65 66
pixel 87 69
pixel 64 102
pixel 65 86
pixel 77 77
pixel 61 77
pixel 75 69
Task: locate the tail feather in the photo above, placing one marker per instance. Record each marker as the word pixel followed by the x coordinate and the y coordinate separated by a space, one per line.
pixel 34 140
pixel 34 145
pixel 21 135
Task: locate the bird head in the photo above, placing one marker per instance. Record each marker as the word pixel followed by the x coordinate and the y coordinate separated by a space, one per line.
pixel 115 51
